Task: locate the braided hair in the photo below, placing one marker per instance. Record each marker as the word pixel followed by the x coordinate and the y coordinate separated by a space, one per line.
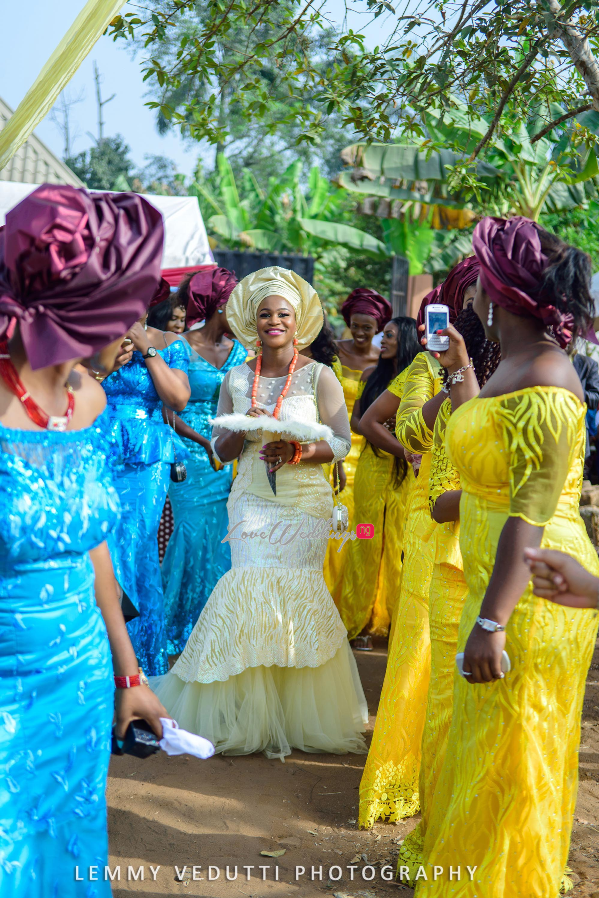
pixel 485 354
pixel 324 349
pixel 567 280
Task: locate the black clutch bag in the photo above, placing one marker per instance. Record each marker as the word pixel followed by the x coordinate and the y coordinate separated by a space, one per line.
pixel 140 740
pixel 178 472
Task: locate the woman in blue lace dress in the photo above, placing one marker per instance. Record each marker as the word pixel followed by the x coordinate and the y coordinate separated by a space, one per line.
pixel 151 370
pixel 56 507
pixel 196 557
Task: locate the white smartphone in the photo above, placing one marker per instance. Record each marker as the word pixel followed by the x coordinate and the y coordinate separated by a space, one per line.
pixel 506 664
pixel 436 319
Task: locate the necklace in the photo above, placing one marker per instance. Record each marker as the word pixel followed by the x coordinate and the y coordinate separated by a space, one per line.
pixel 11 378
pixel 285 389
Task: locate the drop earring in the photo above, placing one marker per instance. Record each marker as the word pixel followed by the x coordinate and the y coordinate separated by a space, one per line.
pixel 490 315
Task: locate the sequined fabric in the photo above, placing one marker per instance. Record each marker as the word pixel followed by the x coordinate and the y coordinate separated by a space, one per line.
pixel 389 787
pixel 142 449
pixel 372 572
pixel 506 793
pixel 55 666
pixel 196 557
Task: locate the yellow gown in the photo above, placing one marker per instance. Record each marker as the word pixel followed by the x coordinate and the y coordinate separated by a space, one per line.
pixel 447 595
pixel 506 793
pixel 335 560
pixel 389 786
pixel 372 571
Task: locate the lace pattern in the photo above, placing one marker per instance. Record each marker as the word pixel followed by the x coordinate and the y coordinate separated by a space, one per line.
pixel 423 381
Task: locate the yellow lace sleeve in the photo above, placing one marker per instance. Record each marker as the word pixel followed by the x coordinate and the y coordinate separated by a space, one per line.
pixel 336 366
pixel 443 476
pixel 423 381
pixel 361 386
pixel 543 429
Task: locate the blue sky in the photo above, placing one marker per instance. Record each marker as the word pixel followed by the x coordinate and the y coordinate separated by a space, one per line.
pixel 29 40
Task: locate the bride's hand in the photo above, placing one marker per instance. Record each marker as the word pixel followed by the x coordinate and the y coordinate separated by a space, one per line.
pixel 456 355
pixel 277 454
pixel 257 413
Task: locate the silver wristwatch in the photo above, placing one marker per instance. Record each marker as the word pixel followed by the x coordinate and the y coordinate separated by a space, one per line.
pixel 490 625
pixel 150 353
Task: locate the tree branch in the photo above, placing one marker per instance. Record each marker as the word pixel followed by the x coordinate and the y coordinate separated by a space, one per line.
pixel 559 121
pixel 579 49
pixel 528 59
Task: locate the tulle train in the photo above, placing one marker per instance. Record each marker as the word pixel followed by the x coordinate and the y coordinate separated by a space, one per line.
pixel 274 709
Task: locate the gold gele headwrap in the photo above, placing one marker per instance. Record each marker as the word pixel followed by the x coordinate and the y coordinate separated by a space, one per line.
pixel 243 303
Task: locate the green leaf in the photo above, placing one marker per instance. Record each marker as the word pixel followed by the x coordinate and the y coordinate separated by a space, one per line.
pixel 223 225
pixel 262 240
pixel 344 235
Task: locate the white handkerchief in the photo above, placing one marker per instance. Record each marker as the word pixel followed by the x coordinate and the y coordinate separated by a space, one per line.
pixel 176 741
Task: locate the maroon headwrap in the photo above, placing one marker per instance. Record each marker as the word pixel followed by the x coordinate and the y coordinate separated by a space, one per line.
pixel 512 265
pixel 163 291
pixel 77 269
pixel 363 301
pixel 451 291
pixel 207 291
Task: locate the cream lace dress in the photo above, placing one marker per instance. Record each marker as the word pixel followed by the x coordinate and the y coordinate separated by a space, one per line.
pixel 268 666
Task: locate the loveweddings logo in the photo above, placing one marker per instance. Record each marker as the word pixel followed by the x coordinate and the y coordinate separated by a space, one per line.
pixel 285 534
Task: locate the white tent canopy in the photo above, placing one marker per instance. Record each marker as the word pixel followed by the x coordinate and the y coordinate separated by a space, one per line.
pixel 186 241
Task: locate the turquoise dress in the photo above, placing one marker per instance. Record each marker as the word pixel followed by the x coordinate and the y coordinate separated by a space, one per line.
pixel 142 450
pixel 56 684
pixel 196 557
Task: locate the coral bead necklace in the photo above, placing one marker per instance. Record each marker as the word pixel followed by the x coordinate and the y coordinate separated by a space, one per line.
pixel 11 378
pixel 285 389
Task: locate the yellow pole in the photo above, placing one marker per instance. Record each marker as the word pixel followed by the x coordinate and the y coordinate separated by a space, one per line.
pixel 88 27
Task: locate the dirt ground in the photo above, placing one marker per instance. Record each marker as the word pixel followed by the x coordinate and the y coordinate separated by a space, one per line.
pixel 181 813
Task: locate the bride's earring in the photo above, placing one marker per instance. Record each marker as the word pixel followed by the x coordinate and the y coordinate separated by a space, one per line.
pixel 490 315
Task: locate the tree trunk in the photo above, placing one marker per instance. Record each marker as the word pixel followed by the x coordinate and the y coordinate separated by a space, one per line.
pixel 580 52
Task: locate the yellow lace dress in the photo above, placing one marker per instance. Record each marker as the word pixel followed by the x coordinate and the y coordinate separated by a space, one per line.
pixel 389 786
pixel 506 793
pixel 447 595
pixel 373 566
pixel 335 560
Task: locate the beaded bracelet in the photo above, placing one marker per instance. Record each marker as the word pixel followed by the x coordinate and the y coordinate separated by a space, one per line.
pixel 297 455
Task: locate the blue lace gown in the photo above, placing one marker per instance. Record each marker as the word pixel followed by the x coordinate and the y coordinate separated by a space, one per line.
pixel 143 448
pixel 56 685
pixel 196 557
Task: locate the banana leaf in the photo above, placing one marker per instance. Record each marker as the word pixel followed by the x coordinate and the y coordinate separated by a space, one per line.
pixel 263 240
pixel 344 235
pixel 234 211
pixel 224 227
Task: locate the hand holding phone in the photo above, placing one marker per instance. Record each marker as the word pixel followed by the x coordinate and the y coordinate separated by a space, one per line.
pixel 436 319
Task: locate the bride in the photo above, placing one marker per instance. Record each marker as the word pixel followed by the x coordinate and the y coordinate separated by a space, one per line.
pixel 268 666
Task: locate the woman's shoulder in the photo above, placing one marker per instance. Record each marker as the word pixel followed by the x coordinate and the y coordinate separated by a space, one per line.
pixel 90 396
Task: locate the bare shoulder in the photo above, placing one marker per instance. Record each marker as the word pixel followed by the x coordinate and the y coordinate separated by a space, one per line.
pixel 551 368
pixel 367 372
pixel 90 398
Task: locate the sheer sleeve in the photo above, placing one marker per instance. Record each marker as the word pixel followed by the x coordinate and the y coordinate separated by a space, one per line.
pixel 225 405
pixel 398 384
pixel 541 432
pixel 443 476
pixel 333 411
pixel 423 381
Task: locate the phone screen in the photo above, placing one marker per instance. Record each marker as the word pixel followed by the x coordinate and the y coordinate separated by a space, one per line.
pixel 437 321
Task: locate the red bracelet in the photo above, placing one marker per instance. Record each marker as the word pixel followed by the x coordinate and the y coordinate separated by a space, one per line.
pixel 297 455
pixel 127 682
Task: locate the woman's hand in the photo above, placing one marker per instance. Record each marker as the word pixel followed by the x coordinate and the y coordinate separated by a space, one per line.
pixel 138 703
pixel 277 454
pixel 258 412
pixel 455 356
pixel 124 357
pixel 413 459
pixel 139 337
pixel 340 470
pixel 561 579
pixel 482 655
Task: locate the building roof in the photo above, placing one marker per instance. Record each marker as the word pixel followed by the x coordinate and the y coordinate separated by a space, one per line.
pixel 34 163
